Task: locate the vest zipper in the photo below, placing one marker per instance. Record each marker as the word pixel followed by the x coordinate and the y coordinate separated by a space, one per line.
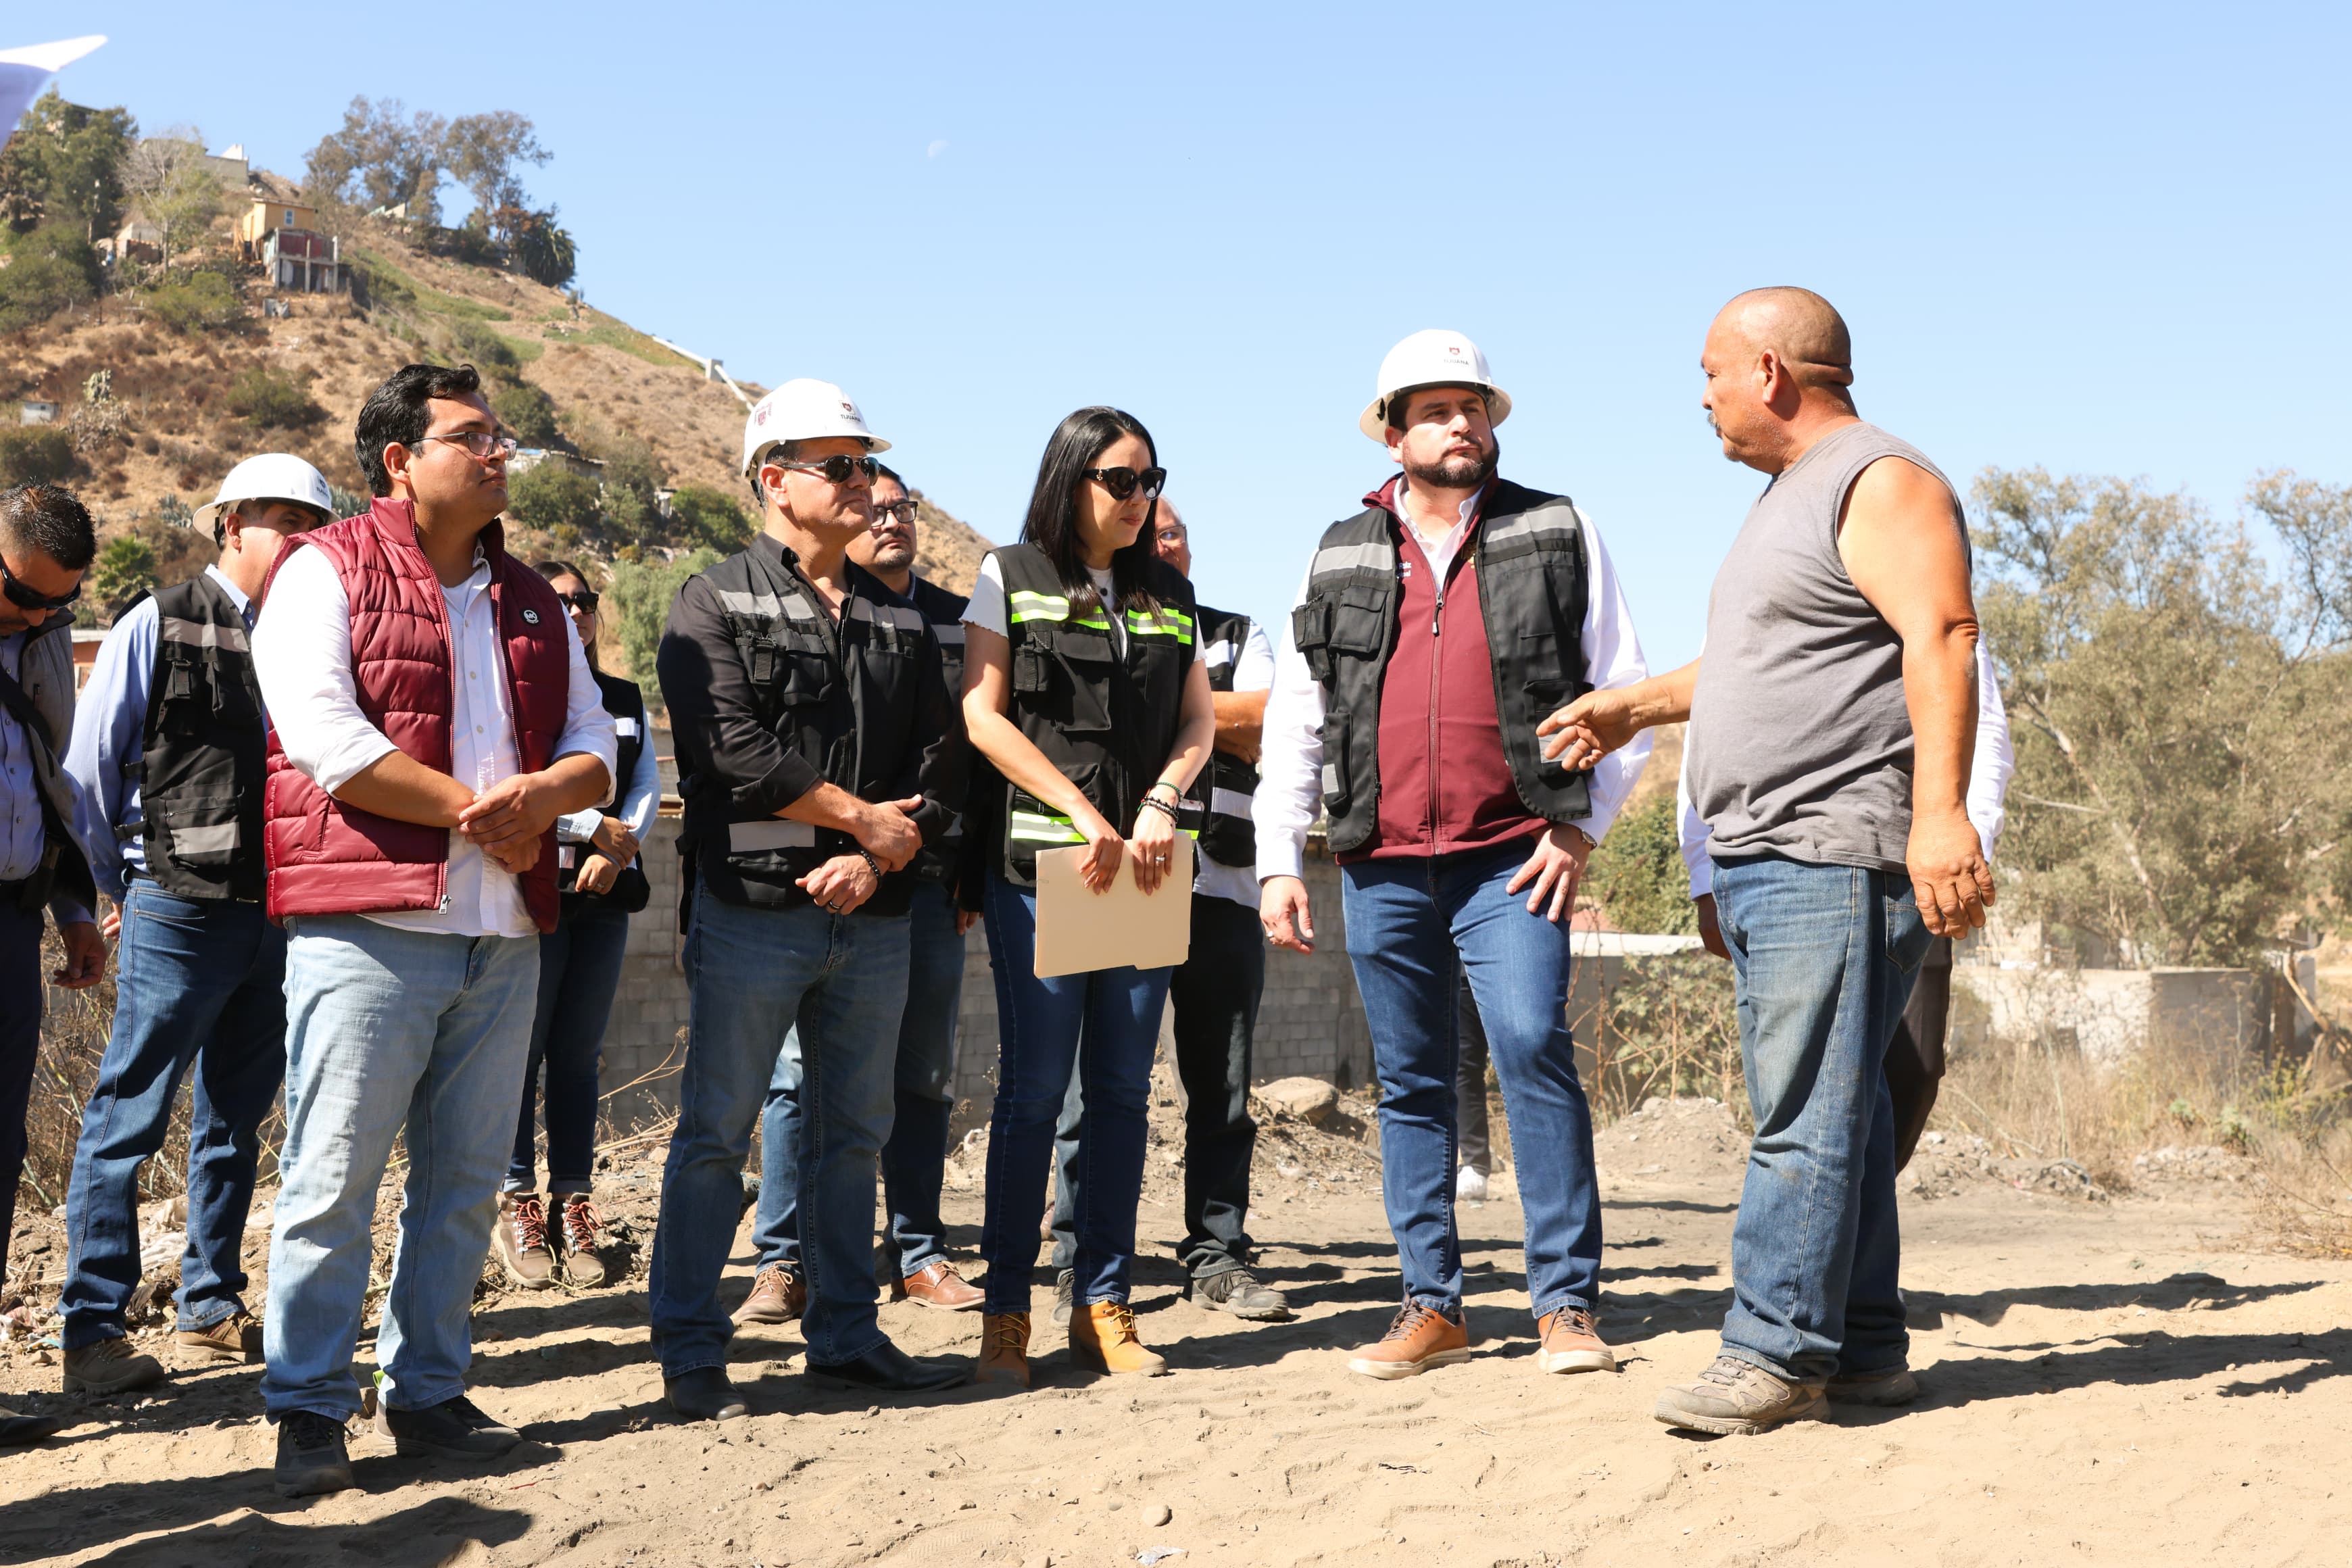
pixel 1436 664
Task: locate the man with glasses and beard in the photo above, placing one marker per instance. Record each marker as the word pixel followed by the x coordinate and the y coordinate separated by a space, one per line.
pixel 46 545
pixel 914 1160
pixel 1435 629
pixel 818 752
pixel 432 716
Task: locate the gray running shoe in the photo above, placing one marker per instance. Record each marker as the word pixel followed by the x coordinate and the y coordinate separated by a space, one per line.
pixel 1241 1293
pixel 1737 1398
pixel 1065 1287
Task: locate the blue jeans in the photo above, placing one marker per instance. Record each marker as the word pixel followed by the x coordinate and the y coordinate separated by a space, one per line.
pixel 1041 1025
pixel 390 1031
pixel 22 975
pixel 914 1160
pixel 202 983
pixel 578 971
pixel 1414 928
pixel 756 974
pixel 1825 956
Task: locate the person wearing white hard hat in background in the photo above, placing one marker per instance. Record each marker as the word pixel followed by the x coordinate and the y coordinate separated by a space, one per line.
pixel 818 754
pixel 166 764
pixel 1434 630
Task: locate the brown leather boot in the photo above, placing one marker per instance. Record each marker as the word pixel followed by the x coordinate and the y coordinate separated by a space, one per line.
pixel 236 1337
pixel 1420 1338
pixel 1103 1336
pixel 582 1229
pixel 1569 1340
pixel 1004 1350
pixel 521 1239
pixel 937 1284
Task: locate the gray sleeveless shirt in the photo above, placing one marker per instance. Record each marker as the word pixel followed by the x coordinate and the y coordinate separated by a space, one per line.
pixel 1800 742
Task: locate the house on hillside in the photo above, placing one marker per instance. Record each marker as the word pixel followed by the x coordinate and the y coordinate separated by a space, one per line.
pixel 279 230
pixel 528 458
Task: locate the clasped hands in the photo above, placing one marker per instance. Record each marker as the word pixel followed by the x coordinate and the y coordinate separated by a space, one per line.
pixel 887 832
pixel 507 821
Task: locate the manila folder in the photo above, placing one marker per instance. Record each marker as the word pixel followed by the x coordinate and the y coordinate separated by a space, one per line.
pixel 1080 930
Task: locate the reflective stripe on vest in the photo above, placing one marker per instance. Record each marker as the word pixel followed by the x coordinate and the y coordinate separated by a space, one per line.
pixel 770 833
pixel 1162 623
pixel 202 634
pixel 1024 605
pixel 1037 828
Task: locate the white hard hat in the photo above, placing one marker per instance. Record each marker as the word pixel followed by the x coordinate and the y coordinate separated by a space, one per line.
pixel 1432 358
pixel 804 410
pixel 273 476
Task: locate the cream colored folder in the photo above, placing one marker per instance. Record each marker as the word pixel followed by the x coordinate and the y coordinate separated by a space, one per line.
pixel 1080 930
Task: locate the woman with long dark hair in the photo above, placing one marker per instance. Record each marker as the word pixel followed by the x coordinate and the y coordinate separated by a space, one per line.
pixel 578 971
pixel 1083 689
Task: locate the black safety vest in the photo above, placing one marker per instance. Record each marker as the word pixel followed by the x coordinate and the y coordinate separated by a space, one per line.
pixel 200 772
pixel 1223 794
pixel 1533 586
pixel 630 891
pixel 944 612
pixel 842 697
pixel 1106 720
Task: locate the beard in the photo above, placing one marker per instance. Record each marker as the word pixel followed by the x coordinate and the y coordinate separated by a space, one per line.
pixel 1457 473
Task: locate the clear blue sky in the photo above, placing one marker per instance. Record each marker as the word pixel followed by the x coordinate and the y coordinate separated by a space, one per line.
pixel 2107 239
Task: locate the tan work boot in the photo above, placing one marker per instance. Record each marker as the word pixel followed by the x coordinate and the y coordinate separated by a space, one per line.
pixel 1103 1336
pixel 521 1237
pixel 110 1366
pixel 1418 1339
pixel 778 1295
pixel 1004 1350
pixel 1737 1398
pixel 236 1337
pixel 1569 1340
pixel 937 1284
pixel 581 1230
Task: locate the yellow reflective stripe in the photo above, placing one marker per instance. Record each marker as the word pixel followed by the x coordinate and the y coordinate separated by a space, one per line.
pixel 1024 604
pixel 1030 827
pixel 1165 623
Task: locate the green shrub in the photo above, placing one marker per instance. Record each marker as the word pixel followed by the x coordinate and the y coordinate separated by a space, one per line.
pixel 527 411
pixel 35 454
pixel 125 567
pixel 204 302
pixel 49 270
pixel 268 401
pixel 1637 873
pixel 554 499
pixel 706 519
pixel 641 595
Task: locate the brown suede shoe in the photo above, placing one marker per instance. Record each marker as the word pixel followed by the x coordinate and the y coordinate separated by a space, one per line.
pixel 1103 1336
pixel 110 1366
pixel 236 1337
pixel 521 1239
pixel 779 1295
pixel 1004 1350
pixel 937 1284
pixel 583 1231
pixel 1420 1337
pixel 1569 1340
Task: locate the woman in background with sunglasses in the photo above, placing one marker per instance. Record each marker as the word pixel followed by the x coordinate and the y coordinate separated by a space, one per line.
pixel 578 971
pixel 1082 689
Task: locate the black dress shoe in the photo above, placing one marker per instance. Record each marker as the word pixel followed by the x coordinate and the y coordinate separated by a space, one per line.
pixel 887 1369
pixel 703 1394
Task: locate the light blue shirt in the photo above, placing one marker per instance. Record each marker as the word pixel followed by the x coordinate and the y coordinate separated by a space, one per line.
pixel 110 741
pixel 640 800
pixel 22 837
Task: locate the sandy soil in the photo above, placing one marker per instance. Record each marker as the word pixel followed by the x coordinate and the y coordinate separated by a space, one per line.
pixel 2110 1379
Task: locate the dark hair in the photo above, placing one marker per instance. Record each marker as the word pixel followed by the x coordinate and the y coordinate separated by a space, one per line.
pixel 552 570
pixel 51 519
pixel 396 412
pixel 1052 524
pixel 884 471
pixel 1399 402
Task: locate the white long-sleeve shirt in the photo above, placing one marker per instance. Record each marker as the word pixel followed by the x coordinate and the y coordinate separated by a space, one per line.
pixel 1290 766
pixel 1988 777
pixel 302 656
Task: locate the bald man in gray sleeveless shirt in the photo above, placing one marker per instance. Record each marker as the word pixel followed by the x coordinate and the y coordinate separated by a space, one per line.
pixel 1835 714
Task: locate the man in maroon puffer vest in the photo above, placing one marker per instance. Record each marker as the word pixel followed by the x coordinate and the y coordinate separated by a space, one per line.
pixel 433 714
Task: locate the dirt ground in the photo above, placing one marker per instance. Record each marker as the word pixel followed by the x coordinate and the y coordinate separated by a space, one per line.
pixel 2111 1378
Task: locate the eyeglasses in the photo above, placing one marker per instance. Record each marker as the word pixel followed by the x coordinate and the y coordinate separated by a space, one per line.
pixel 481 445
pixel 903 510
pixel 836 470
pixel 584 600
pixel 25 598
pixel 1122 482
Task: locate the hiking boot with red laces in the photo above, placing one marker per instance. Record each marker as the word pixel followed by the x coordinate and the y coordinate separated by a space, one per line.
pixel 1420 1338
pixel 521 1237
pixel 582 1232
pixel 1569 1340
pixel 778 1295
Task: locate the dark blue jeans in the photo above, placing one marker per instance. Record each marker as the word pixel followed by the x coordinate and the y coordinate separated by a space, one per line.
pixel 1215 996
pixel 198 983
pixel 20 1046
pixel 1041 1025
pixel 914 1162
pixel 1825 956
pixel 578 971
pixel 1414 927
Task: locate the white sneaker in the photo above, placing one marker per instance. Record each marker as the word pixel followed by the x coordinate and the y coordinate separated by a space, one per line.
pixel 1469 1186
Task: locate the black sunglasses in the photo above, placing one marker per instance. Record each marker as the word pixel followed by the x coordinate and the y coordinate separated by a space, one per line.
pixel 25 598
pixel 585 599
pixel 836 469
pixel 1122 482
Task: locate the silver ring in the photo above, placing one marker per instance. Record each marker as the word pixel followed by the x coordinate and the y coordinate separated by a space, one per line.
pixel 834 908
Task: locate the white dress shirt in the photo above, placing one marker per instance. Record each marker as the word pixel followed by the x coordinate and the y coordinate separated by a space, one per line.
pixel 1252 672
pixel 1290 767
pixel 1988 777
pixel 302 656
